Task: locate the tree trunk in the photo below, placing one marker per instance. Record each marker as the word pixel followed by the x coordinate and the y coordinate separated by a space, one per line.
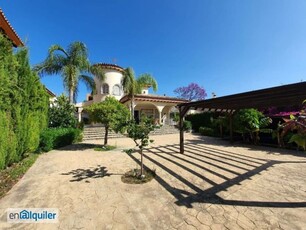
pixel 106 135
pixel 132 107
pixel 71 96
pixel 141 167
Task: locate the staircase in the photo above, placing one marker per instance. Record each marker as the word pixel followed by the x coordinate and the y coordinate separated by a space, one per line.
pixel 96 132
pixel 165 129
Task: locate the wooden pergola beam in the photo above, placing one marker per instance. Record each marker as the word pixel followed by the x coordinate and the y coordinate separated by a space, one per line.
pixel 293 94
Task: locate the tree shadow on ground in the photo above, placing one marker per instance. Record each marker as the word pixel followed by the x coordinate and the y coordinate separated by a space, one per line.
pixel 213 162
pixel 80 147
pixel 90 173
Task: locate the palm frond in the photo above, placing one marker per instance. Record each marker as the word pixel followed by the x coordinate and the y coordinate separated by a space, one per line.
pixel 89 82
pixel 78 55
pixel 52 65
pixel 147 80
pixel 55 48
pixel 129 82
pixel 98 72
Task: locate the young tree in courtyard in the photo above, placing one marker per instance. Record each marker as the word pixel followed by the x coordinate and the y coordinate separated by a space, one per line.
pixel 140 135
pixel 191 92
pixel 73 65
pixel 111 113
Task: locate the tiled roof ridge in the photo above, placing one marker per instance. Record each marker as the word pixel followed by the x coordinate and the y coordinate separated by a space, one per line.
pixel 7 21
pixel 109 65
pixel 160 96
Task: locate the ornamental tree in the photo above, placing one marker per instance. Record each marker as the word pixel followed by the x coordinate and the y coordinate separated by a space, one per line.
pixel 191 92
pixel 140 135
pixel 111 113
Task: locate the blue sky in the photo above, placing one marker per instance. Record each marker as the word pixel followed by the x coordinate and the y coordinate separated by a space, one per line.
pixel 225 46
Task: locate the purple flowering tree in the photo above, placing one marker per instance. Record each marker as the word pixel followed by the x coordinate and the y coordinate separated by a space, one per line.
pixel 191 92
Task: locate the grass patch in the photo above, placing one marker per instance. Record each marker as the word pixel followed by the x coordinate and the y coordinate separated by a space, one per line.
pixel 105 148
pixel 12 174
pixel 134 176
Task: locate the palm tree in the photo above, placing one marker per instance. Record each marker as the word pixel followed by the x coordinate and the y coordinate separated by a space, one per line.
pixel 73 65
pixel 147 80
pixel 133 86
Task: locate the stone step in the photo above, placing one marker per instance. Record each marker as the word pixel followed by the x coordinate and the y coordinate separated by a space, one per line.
pixel 97 131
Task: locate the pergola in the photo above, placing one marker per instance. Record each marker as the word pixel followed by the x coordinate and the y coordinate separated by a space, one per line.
pixel 293 94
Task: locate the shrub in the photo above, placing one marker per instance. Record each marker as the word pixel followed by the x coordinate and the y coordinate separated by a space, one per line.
pixel 23 105
pixel 53 138
pixel 205 131
pixel 61 113
pixel 187 126
pixel 200 120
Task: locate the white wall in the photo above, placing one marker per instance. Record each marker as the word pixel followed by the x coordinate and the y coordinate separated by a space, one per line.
pixel 112 78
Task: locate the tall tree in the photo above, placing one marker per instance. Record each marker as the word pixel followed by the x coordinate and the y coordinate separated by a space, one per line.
pixel 133 86
pixel 191 92
pixel 73 65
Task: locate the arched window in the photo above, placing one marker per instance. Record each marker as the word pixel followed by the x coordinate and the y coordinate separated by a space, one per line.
pixel 116 90
pixel 105 89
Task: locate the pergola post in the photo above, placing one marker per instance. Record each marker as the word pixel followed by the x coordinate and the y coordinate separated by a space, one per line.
pixel 181 132
pixel 182 111
pixel 231 127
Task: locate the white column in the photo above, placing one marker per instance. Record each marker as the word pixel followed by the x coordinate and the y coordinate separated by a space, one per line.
pixel 80 114
pixel 160 110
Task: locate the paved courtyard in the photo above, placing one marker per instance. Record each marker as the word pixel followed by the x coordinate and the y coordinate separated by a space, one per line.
pixel 212 186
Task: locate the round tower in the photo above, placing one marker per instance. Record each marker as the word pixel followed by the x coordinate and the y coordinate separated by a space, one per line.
pixel 112 84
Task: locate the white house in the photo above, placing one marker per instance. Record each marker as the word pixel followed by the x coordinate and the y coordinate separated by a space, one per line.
pixel 156 106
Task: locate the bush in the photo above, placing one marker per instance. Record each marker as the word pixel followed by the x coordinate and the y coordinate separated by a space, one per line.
pixel 200 120
pixel 23 105
pixel 54 138
pixel 187 126
pixel 205 131
pixel 61 113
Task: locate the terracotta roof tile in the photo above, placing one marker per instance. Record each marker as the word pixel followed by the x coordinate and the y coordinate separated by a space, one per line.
pixel 9 30
pixel 111 66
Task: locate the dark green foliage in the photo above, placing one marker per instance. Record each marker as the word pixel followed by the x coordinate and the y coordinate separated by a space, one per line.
pixel 206 131
pixel 187 126
pixel 111 113
pixel 61 113
pixel 140 132
pixel 23 105
pixel 54 138
pixel 200 120
pixel 251 122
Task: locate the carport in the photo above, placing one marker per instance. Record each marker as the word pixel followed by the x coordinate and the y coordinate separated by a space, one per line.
pixel 292 94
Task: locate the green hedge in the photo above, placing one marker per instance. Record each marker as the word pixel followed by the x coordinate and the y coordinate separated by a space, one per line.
pixel 187 126
pixel 54 138
pixel 200 120
pixel 205 131
pixel 23 105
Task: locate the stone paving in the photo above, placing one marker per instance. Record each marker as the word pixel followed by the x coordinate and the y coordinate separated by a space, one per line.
pixel 212 186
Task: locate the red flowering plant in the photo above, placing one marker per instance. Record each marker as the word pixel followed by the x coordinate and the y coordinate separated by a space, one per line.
pixel 297 125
